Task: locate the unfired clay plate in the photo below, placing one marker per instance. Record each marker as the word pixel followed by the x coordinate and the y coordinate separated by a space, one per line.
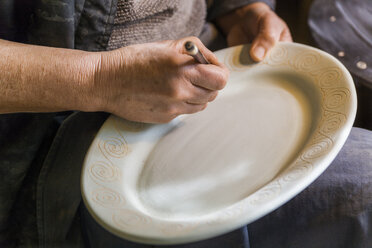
pixel 272 131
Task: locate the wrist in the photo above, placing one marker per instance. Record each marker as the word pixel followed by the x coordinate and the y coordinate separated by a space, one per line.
pixel 88 95
pixel 104 71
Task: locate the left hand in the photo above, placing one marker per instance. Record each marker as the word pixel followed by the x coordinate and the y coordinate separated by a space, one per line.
pixel 257 24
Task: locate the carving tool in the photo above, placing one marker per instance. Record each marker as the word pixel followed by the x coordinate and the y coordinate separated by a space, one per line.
pixel 193 50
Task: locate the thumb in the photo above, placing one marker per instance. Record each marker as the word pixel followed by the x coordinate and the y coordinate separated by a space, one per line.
pixel 268 35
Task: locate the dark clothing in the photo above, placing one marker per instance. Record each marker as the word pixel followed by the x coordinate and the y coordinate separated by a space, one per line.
pixel 22 137
pixel 51 23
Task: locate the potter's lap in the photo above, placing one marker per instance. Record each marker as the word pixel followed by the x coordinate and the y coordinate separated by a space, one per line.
pixel 334 211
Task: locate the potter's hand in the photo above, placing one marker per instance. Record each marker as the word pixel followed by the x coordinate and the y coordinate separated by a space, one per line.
pixel 156 82
pixel 255 23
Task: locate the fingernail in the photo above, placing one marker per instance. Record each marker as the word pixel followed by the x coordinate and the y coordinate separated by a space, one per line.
pixel 259 52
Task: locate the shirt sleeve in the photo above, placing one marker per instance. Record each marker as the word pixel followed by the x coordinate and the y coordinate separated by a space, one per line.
pixel 217 8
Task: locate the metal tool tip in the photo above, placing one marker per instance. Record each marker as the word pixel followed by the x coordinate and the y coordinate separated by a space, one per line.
pixel 191 48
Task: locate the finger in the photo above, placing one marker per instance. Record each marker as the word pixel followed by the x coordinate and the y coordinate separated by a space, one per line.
pixel 172 110
pixel 210 77
pixel 201 96
pixel 268 35
pixel 194 108
pixel 181 108
pixel 213 96
pixel 160 118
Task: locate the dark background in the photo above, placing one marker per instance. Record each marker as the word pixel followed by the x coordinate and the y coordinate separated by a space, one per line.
pixel 295 13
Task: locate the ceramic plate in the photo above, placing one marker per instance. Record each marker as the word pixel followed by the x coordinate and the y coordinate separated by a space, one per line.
pixel 272 131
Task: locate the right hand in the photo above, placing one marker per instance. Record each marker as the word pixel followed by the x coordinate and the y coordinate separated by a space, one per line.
pixel 156 82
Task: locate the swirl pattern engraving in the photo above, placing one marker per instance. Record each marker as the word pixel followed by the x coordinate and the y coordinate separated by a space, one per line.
pixel 306 61
pixel 329 77
pixel 299 169
pixel 126 218
pixel 115 147
pixel 318 149
pixel 178 228
pixel 336 97
pixel 266 193
pixel 332 122
pixel 108 198
pixel 104 172
pixel 278 55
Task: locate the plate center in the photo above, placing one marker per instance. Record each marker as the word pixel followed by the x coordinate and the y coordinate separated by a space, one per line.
pixel 220 156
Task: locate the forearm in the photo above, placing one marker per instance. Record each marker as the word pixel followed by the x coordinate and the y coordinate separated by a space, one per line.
pixel 44 79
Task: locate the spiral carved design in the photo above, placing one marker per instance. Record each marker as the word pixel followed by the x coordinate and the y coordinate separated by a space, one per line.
pixel 108 198
pixel 130 219
pixel 306 61
pixel 330 77
pixel 114 147
pixel 178 228
pixel 266 193
pixel 104 172
pixel 332 123
pixel 277 56
pixel 318 149
pixel 299 169
pixel 336 98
